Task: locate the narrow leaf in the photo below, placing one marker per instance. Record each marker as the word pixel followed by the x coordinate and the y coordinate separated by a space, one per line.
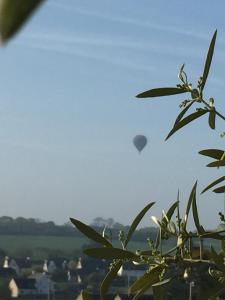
pixel 142 291
pixel 218 163
pixel 110 253
pixel 219 190
pixel 213 235
pixel 186 121
pixel 136 222
pixel 212 118
pixel 213 184
pixel 159 92
pixel 107 281
pixel 90 233
pixel 13 15
pixel 214 153
pixel 199 228
pixel 183 112
pixel 171 210
pixel 156 221
pixel 208 60
pixel 163 282
pixel 150 277
pixel 193 191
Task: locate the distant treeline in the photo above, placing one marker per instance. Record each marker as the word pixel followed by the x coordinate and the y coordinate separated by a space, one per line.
pixel 31 226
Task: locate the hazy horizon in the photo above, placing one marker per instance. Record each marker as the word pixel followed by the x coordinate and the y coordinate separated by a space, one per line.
pixel 68 111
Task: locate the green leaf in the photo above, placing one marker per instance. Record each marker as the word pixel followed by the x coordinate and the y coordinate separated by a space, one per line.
pixel 199 228
pixel 141 292
pixel 136 222
pixel 214 153
pixel 90 233
pixel 157 239
pixel 219 190
pixel 150 278
pixel 213 184
pixel 13 15
pixel 218 163
pixel 212 118
pixel 156 221
pixel 213 235
pixel 163 282
pixel 107 281
pixel 186 121
pixel 193 192
pixel 171 227
pixel 183 112
pixel 208 60
pixel 171 210
pixel 111 253
pixel 159 92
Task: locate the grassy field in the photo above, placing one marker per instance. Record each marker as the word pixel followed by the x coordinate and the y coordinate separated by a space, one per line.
pixel 19 244
pixel 39 246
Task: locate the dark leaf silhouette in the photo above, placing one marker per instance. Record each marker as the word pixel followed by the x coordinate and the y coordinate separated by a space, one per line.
pixel 186 121
pixel 160 92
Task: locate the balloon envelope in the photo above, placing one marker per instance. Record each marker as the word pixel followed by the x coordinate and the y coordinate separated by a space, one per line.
pixel 140 142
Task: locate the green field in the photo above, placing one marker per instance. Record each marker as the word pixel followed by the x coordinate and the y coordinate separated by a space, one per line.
pixel 40 246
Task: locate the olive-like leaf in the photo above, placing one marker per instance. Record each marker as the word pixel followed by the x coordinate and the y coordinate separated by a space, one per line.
pixel 214 153
pixel 213 235
pixel 212 118
pixel 186 121
pixel 208 60
pixel 107 281
pixel 213 184
pixel 13 15
pixel 136 222
pixel 160 92
pixel 171 210
pixel 110 253
pixel 141 291
pixel 183 112
pixel 193 192
pixel 199 228
pixel 171 227
pixel 218 163
pixel 219 190
pixel 163 282
pixel 150 278
pixel 90 233
pixel 156 221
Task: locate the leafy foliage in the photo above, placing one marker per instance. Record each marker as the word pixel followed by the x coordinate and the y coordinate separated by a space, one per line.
pixel 179 261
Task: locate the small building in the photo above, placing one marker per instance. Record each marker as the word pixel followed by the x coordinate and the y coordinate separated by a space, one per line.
pixel 22 286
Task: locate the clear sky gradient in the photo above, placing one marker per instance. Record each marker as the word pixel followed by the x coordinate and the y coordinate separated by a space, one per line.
pixel 68 111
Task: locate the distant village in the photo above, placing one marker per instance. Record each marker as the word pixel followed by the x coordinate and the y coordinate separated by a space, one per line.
pixel 60 278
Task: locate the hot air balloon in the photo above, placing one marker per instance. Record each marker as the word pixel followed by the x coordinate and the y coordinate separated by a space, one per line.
pixel 140 141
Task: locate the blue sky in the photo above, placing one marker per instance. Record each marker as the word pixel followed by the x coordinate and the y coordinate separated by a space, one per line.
pixel 68 111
